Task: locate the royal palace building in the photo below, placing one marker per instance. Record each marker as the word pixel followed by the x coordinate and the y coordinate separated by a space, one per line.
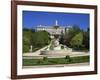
pixel 53 30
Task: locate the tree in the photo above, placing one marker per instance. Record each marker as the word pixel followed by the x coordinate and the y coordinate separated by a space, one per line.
pixel 40 39
pixel 61 40
pixel 36 39
pixel 75 29
pixel 27 33
pixel 86 38
pixel 77 41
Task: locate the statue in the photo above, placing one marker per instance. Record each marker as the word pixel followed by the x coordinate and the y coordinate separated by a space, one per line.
pixel 30 48
pixel 56 43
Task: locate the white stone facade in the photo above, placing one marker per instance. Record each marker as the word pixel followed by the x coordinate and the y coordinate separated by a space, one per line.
pixel 52 30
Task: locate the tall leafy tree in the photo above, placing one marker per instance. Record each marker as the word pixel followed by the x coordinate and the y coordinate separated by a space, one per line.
pixel 40 38
pixel 77 40
pixel 72 31
pixel 27 33
pixel 86 38
pixel 61 40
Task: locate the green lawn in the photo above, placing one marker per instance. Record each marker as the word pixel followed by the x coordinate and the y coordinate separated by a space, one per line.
pixel 52 61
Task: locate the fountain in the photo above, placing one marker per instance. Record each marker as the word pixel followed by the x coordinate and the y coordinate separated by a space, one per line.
pixel 55 48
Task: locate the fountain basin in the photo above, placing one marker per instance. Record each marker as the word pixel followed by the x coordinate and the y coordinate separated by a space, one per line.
pixel 55 52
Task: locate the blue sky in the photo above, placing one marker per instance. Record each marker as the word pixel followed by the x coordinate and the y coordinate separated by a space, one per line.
pixel 31 19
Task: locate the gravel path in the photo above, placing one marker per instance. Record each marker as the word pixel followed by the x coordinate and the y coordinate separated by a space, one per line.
pixel 36 53
pixel 37 56
pixel 59 65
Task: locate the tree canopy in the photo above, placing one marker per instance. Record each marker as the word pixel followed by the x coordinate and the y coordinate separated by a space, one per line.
pixel 72 31
pixel 26 39
pixel 40 38
pixel 37 39
pixel 77 40
pixel 76 37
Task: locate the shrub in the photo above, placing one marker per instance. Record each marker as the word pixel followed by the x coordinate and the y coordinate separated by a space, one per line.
pixel 68 58
pixel 62 47
pixel 25 48
pixel 77 40
pixel 39 61
pixel 45 58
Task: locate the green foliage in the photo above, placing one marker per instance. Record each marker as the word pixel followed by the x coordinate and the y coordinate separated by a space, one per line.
pixel 61 40
pixel 62 47
pixel 40 39
pixel 39 61
pixel 51 61
pixel 36 39
pixel 27 33
pixel 77 40
pixel 86 39
pixel 68 58
pixel 66 38
pixel 45 58
pixel 25 48
pixel 71 40
pixel 27 37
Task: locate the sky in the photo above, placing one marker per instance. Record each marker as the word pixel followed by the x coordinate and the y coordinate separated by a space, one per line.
pixel 32 19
